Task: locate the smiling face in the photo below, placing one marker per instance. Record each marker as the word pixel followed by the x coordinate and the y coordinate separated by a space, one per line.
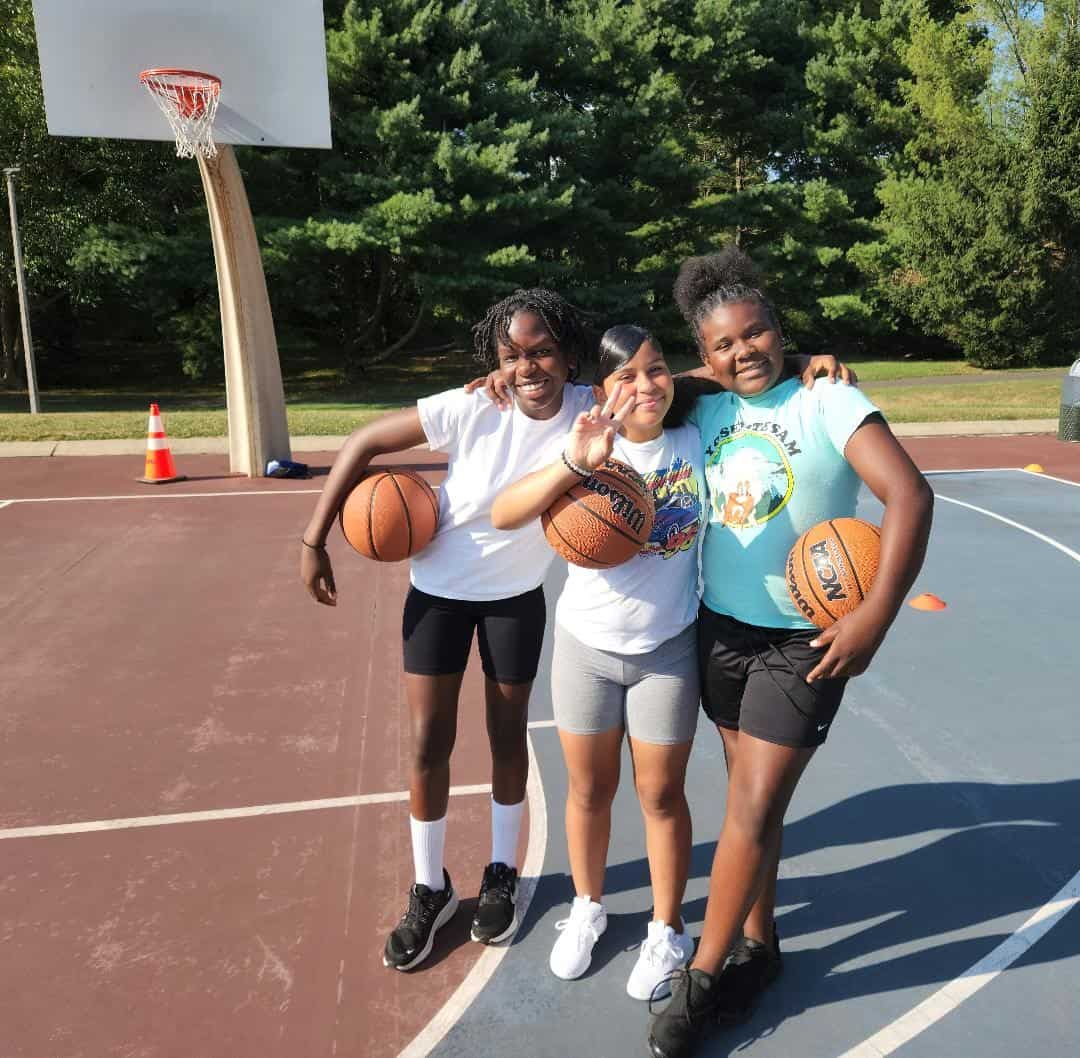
pixel 741 344
pixel 534 366
pixel 647 378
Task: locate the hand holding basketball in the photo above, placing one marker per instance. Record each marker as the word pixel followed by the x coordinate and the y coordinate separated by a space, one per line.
pixel 592 437
pixel 852 643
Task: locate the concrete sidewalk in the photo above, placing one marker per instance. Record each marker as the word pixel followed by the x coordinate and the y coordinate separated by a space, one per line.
pixel 220 445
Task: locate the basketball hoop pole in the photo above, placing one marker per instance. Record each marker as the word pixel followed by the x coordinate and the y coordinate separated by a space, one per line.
pixel 24 307
pixel 258 428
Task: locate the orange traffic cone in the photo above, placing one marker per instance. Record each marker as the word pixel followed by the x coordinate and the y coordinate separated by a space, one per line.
pixel 160 469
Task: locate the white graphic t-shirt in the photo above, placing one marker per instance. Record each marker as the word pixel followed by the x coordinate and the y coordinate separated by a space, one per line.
pixel 487 449
pixel 774 466
pixel 635 607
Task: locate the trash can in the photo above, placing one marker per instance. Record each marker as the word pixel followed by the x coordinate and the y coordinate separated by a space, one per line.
pixel 1069 421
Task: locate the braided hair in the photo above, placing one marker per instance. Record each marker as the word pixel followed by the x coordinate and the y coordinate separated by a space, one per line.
pixel 564 322
pixel 723 278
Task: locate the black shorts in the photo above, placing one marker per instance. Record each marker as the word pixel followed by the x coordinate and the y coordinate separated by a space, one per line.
pixel 754 680
pixel 438 635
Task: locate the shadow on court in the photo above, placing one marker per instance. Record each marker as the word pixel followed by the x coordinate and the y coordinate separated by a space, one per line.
pixel 960 866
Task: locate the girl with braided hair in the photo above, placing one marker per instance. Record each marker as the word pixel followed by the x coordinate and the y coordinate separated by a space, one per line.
pixel 778 458
pixel 470 578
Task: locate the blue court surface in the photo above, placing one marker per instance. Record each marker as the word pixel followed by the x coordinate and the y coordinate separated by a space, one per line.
pixel 932 852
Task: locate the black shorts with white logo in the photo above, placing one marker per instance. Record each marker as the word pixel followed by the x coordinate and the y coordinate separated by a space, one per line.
pixel 754 680
pixel 438 635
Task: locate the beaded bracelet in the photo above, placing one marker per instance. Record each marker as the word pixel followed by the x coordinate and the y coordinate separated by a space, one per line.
pixel 574 468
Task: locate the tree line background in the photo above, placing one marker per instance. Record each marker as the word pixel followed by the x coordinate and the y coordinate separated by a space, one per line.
pixel 906 171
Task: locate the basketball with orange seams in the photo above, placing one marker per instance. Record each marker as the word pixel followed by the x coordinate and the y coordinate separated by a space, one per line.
pixel 390 515
pixel 603 520
pixel 831 567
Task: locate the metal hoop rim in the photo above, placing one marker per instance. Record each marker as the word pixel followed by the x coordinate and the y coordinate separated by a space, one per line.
pixel 211 81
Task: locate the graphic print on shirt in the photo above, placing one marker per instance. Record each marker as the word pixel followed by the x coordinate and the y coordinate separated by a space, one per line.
pixel 749 475
pixel 678 509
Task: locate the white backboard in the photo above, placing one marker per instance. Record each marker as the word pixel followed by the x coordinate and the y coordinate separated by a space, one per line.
pixel 269 54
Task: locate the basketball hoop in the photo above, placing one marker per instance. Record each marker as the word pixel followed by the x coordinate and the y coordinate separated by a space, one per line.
pixel 189 100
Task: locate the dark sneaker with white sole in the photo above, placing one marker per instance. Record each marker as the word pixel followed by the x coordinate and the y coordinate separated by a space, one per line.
pixel 496 908
pixel 750 968
pixel 676 1031
pixel 411 941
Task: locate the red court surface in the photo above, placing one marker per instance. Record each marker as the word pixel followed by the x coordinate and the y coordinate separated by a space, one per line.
pixel 163 659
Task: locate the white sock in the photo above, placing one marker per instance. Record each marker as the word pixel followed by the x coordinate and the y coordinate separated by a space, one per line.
pixel 505 828
pixel 428 839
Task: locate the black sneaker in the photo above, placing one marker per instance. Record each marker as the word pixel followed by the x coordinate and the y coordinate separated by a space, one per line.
pixel 750 968
pixel 677 1029
pixel 410 942
pixel 495 909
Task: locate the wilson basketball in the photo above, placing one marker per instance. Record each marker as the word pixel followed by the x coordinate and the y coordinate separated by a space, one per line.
pixel 390 515
pixel 603 520
pixel 831 567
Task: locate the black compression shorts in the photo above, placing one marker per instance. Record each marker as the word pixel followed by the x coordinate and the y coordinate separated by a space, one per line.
pixel 438 635
pixel 754 680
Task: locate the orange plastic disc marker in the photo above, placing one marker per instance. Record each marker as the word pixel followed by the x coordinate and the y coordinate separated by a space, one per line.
pixel 927 601
pixel 1034 468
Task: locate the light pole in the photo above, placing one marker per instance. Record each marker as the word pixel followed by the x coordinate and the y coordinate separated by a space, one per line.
pixel 24 308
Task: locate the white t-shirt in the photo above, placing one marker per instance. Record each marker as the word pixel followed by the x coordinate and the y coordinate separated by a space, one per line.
pixel 488 449
pixel 635 607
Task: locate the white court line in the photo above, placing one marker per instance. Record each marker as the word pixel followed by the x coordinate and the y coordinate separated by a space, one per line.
pixel 5 503
pixel 946 999
pixel 533 724
pixel 162 496
pixel 214 814
pixel 1015 525
pixel 972 470
pixel 1050 477
pixel 484 967
pixel 1002 470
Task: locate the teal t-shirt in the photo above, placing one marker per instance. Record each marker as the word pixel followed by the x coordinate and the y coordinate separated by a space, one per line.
pixel 774 466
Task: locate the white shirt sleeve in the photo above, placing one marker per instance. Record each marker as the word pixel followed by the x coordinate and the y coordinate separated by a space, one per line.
pixel 442 417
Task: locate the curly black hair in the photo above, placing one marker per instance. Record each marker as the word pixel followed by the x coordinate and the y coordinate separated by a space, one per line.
pixel 722 278
pixel 566 324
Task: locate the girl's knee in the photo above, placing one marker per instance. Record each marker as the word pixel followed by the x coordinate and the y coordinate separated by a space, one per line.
pixel 508 741
pixel 756 812
pixel 661 799
pixel 431 748
pixel 591 793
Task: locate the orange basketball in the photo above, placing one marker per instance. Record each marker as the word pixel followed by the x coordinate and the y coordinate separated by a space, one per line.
pixel 390 515
pixel 603 520
pixel 831 567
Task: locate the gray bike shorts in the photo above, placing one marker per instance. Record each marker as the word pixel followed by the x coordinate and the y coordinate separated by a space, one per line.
pixel 654 696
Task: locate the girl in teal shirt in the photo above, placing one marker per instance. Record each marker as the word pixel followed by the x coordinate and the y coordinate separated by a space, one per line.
pixel 778 458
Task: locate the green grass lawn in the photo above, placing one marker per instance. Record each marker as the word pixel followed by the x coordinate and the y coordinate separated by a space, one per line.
pixel 1017 399
pixel 321 403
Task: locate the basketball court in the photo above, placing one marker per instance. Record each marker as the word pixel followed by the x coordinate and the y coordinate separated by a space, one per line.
pixel 203 818
pixel 203 809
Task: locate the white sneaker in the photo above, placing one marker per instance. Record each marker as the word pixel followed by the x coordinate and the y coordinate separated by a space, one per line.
pixel 572 953
pixel 662 952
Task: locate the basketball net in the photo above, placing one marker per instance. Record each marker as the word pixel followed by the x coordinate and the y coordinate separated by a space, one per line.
pixel 189 100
